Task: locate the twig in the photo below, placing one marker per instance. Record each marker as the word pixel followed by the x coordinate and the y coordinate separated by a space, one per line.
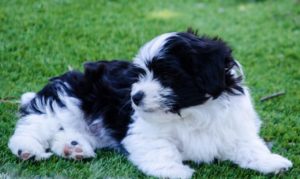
pixel 265 98
pixel 8 98
pixel 9 101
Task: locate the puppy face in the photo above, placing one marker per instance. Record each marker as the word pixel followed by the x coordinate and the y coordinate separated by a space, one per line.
pixel 183 70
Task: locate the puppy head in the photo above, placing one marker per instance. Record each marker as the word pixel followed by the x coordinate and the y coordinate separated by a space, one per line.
pixel 183 70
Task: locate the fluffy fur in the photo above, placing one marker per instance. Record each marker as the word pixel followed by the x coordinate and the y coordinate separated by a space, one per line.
pixel 191 105
pixel 76 113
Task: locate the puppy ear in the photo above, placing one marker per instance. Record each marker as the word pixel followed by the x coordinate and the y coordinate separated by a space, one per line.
pixel 93 70
pixel 234 76
pixel 212 65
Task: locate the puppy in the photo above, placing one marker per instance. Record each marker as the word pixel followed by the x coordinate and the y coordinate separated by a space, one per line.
pixel 75 113
pixel 191 105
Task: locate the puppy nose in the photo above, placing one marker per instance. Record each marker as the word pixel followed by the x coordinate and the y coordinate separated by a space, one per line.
pixel 137 97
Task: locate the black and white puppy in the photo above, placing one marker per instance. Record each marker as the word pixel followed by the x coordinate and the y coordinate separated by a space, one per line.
pixel 191 105
pixel 76 113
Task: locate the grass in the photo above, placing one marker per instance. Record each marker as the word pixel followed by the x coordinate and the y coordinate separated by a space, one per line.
pixel 39 39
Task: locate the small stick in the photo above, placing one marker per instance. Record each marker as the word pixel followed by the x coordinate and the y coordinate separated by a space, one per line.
pixel 265 98
pixel 8 98
pixel 9 101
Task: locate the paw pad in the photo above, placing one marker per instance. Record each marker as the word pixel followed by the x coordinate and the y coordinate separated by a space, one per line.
pixel 74 142
pixel 73 151
pixel 24 155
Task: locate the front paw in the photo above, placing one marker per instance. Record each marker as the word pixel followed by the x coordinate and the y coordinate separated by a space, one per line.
pixel 278 164
pixel 169 170
pixel 181 172
pixel 273 163
pixel 26 147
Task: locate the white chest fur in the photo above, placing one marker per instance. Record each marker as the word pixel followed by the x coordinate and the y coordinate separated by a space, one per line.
pixel 226 128
pixel 202 133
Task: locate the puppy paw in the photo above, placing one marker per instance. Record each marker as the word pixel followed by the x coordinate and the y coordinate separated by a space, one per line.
pixel 273 163
pixel 77 151
pixel 72 146
pixel 172 171
pixel 278 164
pixel 27 154
pixel 28 148
pixel 182 172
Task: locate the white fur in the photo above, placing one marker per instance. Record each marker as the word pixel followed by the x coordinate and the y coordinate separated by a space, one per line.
pixel 151 49
pixel 27 97
pixel 102 135
pixel 64 139
pixel 154 92
pixel 226 128
pixel 35 133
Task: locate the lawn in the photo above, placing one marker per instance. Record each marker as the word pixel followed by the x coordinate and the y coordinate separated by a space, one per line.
pixel 40 39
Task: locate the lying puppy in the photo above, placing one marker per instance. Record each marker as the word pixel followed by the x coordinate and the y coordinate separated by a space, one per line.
pixel 191 105
pixel 76 113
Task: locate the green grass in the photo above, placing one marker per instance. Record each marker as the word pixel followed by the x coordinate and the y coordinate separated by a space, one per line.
pixel 39 39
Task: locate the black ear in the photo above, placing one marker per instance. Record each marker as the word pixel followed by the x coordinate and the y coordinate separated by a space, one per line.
pixel 210 64
pixel 94 70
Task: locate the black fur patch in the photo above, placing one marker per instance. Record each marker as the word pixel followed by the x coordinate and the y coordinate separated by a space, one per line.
pixel 195 68
pixel 103 90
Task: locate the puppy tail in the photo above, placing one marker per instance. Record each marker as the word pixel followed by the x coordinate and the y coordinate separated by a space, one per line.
pixel 27 97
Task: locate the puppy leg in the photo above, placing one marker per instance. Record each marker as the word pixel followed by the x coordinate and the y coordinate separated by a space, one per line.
pixel 73 145
pixel 28 147
pixel 156 157
pixel 249 150
pixel 255 155
pixel 30 139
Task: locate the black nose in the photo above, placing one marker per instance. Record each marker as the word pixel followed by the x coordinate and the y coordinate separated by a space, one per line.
pixel 137 97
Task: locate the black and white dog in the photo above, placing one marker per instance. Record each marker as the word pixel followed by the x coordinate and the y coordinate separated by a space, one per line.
pixel 76 113
pixel 188 100
pixel 191 105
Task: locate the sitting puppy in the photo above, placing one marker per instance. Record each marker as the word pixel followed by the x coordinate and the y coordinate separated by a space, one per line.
pixel 76 113
pixel 191 105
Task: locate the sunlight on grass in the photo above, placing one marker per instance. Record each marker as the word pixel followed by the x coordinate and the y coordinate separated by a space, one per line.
pixel 242 8
pixel 164 14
